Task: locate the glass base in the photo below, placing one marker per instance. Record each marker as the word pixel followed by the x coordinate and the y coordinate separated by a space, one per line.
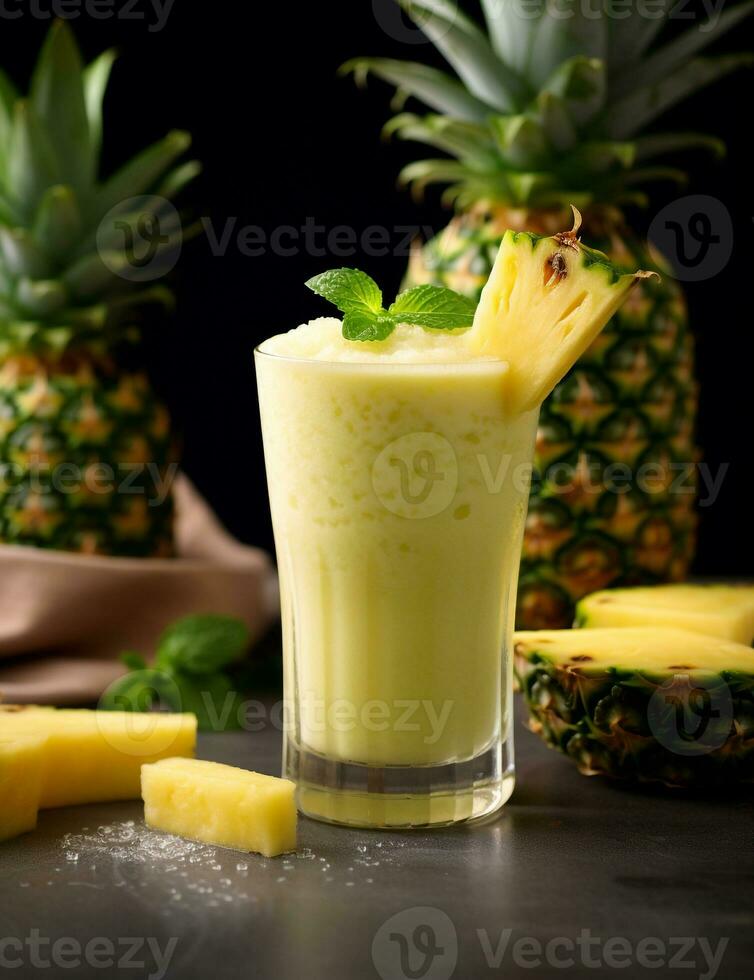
pixel 400 797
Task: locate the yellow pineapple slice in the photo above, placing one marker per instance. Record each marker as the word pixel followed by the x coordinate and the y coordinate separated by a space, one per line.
pixel 726 611
pixel 93 756
pixel 655 652
pixel 543 305
pixel 21 771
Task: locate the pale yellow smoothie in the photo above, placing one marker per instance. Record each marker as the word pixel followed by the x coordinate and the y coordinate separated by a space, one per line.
pixel 398 486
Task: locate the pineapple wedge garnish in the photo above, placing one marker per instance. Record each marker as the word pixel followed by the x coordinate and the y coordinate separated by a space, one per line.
pixel 543 305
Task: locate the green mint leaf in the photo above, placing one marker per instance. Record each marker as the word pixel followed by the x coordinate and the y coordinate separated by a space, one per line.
pixel 434 307
pixel 202 644
pixel 358 325
pixel 134 661
pixel 349 289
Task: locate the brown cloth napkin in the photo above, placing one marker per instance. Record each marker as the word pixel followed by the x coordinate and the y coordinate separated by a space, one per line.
pixel 64 618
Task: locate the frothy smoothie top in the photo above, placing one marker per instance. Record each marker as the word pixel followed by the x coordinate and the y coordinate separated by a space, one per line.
pixel 322 340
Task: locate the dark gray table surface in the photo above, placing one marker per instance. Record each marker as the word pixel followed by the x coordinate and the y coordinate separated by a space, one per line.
pixel 573 878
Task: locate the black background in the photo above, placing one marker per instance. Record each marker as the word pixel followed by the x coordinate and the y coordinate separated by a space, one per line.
pixel 283 139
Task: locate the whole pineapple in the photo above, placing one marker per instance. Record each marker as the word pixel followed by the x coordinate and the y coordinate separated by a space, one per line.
pixel 545 112
pixel 86 453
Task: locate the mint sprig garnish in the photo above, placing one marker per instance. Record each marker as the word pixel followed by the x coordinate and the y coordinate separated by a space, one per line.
pixel 359 299
pixel 193 671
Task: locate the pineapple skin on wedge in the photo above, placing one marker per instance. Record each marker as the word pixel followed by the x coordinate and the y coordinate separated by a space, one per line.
pixel 726 611
pixel 609 699
pixel 545 302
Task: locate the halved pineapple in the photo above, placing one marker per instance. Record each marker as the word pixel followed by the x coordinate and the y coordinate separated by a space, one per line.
pixel 644 704
pixel 720 610
pixel 543 305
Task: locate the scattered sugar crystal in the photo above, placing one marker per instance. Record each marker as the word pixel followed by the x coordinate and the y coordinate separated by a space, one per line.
pixel 136 852
pixel 128 844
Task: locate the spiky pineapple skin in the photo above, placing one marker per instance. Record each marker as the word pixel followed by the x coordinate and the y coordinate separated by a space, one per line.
pixel 603 723
pixel 629 402
pixel 86 457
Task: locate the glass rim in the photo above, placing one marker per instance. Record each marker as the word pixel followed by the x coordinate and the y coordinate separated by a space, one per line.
pixel 481 365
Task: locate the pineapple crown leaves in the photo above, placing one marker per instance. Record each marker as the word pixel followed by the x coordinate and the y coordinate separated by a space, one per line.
pixel 63 269
pixel 543 112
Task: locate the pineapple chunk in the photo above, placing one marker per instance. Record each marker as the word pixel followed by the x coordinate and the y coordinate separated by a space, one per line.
pixel 220 805
pixel 544 303
pixel 94 756
pixel 21 773
pixel 726 611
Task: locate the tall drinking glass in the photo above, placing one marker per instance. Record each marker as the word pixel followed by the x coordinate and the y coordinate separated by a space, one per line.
pixel 398 495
